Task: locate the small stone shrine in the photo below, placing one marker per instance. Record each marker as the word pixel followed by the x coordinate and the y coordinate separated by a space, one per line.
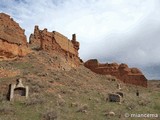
pixel 18 91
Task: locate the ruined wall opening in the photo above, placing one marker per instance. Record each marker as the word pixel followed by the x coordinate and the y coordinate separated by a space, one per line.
pixel 19 91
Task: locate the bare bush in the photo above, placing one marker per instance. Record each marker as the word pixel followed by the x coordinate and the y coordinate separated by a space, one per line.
pixel 143 102
pixel 2 97
pixel 35 100
pixel 49 115
pixel 83 108
pixel 6 110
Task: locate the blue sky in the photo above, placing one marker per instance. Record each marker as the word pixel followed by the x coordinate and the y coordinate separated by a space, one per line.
pixel 123 31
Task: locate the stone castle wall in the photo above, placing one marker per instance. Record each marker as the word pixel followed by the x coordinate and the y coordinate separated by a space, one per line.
pixel 55 42
pixel 122 72
pixel 64 43
pixel 11 31
pixel 13 41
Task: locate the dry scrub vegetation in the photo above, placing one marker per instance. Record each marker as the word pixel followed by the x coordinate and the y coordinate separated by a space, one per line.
pixel 77 94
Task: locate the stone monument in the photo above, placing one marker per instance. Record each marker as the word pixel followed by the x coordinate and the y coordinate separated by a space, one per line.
pixel 18 90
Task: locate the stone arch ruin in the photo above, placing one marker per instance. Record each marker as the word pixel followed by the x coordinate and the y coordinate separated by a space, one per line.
pixel 18 90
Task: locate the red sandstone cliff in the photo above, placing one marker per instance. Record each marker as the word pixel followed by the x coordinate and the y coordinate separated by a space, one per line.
pixel 56 42
pixel 12 39
pixel 122 72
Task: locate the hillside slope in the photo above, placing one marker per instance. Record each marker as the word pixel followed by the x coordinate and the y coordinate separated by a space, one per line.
pixel 57 91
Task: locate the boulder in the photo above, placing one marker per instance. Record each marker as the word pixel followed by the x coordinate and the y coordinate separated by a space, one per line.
pixel 113 97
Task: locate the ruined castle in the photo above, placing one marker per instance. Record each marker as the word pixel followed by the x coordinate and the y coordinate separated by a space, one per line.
pixel 122 72
pixel 13 44
pixel 55 42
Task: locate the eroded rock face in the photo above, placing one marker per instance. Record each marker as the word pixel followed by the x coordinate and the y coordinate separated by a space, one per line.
pixel 56 42
pixel 13 42
pixel 122 72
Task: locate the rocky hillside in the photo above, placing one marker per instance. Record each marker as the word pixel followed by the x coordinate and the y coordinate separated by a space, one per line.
pixel 73 94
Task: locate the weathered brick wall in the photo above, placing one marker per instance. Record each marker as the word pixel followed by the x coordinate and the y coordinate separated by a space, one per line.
pixel 13 41
pixel 122 72
pixel 64 43
pixel 10 31
pixel 43 36
pixel 35 38
pixel 55 42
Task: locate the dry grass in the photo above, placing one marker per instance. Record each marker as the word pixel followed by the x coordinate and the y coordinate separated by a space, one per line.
pixel 49 115
pixel 77 94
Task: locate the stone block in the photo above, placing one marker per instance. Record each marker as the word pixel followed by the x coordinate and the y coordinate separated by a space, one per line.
pixel 113 97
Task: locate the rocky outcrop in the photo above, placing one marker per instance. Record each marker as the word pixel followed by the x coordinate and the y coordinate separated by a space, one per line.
pixel 13 42
pixel 122 72
pixel 56 42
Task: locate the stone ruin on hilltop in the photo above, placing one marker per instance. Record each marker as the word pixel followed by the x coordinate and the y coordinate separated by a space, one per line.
pixel 13 41
pixel 122 72
pixel 55 42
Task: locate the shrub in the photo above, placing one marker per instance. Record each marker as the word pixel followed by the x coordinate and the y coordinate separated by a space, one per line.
pixel 83 108
pixel 49 115
pixel 157 107
pixel 6 110
pixel 2 97
pixel 143 102
pixel 35 100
